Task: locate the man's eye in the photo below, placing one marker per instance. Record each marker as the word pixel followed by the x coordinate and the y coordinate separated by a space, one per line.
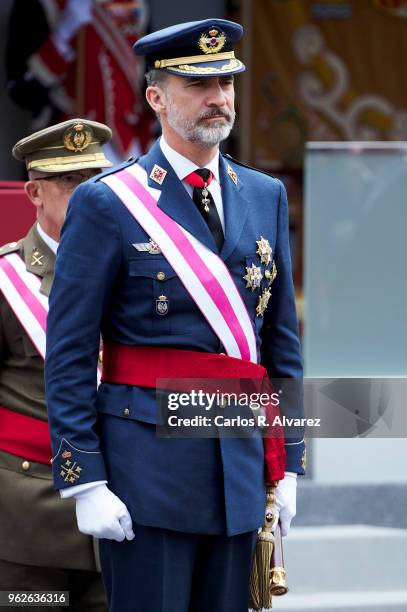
pixel 68 179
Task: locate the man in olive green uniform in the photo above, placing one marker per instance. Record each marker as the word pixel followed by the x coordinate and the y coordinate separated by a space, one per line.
pixel 40 545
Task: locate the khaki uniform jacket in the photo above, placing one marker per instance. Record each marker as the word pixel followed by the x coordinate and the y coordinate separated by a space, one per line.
pixel 36 526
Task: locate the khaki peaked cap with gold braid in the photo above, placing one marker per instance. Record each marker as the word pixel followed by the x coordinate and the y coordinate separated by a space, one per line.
pixel 71 145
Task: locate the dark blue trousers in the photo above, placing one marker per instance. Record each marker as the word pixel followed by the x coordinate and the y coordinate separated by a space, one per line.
pixel 169 571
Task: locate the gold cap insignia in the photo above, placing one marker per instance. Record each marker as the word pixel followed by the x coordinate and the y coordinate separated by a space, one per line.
pixel 158 174
pixel 232 174
pixel 253 277
pixel 212 41
pixel 77 138
pixel 264 250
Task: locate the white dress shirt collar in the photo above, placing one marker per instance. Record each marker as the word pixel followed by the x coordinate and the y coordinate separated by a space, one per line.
pixel 50 242
pixel 183 166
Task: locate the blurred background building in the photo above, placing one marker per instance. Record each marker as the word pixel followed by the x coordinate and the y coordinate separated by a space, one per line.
pixel 323 106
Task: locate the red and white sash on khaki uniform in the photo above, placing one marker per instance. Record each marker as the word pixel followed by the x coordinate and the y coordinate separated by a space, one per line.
pixel 22 291
pixel 202 272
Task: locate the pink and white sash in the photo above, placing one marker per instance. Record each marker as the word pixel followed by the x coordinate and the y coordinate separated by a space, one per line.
pixel 22 291
pixel 202 272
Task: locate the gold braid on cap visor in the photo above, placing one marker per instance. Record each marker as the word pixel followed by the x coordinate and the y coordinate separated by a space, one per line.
pixel 194 59
pixel 67 160
pixel 187 69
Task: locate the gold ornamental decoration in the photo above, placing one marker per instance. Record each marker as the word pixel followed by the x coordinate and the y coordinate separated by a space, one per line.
pixel 77 138
pixel 253 277
pixel 264 299
pixel 212 41
pixel 264 250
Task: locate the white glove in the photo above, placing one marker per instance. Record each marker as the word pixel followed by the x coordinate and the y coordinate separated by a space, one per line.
pixel 77 13
pixel 102 514
pixel 286 501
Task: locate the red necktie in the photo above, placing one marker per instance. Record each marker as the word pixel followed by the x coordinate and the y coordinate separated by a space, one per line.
pixel 199 180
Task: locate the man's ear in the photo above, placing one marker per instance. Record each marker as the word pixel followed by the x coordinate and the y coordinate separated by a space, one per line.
pixel 33 189
pixel 156 98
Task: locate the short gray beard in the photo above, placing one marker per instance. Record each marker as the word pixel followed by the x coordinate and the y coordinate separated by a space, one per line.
pixel 191 131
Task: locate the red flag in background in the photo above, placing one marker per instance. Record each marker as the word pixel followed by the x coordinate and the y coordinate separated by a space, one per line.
pixel 81 63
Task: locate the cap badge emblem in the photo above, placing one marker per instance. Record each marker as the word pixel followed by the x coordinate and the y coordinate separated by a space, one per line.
pixel 77 138
pixel 212 41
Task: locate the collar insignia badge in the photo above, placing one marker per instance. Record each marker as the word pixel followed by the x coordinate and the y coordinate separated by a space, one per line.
pixel 232 174
pixel 37 258
pixel 158 174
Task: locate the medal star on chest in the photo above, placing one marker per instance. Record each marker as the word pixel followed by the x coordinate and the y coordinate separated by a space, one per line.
pixel 263 302
pixel 253 277
pixel 264 250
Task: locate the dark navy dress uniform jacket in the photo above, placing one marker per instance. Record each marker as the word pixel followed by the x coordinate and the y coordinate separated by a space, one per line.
pixel 104 285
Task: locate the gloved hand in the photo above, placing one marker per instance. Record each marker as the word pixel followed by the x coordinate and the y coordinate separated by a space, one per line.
pixel 286 501
pixel 77 13
pixel 102 514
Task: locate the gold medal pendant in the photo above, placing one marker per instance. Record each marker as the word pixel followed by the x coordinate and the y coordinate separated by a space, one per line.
pixel 205 200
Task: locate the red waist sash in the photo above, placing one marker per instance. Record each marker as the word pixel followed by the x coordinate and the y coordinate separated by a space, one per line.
pixel 142 366
pixel 24 436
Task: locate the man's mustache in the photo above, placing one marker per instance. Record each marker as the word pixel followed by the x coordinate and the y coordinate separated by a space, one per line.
pixel 216 112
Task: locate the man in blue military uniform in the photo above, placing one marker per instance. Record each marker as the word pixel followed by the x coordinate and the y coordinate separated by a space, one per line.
pixel 172 259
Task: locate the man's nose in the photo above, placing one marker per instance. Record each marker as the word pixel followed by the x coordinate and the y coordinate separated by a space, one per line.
pixel 216 96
